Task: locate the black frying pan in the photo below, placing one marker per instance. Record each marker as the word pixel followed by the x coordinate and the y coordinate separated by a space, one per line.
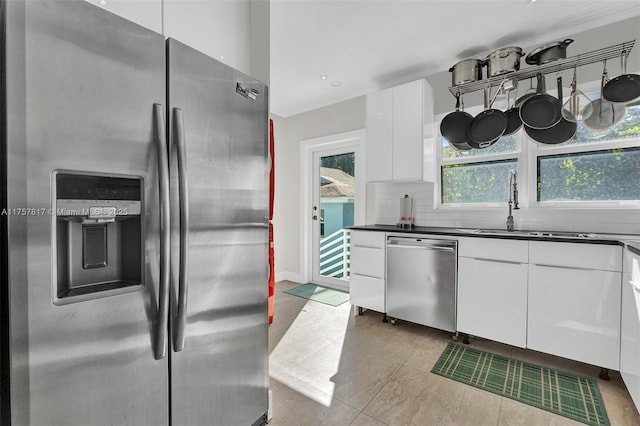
pixel 454 125
pixel 541 111
pixel 625 87
pixel 561 132
pixel 514 123
pixel 488 126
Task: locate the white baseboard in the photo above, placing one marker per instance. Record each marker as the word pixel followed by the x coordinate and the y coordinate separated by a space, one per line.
pixel 296 277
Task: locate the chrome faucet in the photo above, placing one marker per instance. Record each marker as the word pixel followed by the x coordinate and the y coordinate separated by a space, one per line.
pixel 513 197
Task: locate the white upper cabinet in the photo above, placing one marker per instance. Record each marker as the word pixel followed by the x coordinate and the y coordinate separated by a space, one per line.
pixel 147 13
pixel 399 124
pixel 379 135
pixel 220 29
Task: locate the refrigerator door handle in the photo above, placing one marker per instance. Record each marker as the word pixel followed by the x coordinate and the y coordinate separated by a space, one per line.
pixel 178 126
pixel 160 349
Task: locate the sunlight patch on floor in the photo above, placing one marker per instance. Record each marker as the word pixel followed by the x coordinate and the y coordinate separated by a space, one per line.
pixel 307 346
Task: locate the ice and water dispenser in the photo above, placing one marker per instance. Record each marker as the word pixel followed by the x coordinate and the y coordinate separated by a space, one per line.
pixel 98 246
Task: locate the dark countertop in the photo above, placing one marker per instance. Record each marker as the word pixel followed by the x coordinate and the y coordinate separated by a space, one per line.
pixel 634 246
pixel 577 237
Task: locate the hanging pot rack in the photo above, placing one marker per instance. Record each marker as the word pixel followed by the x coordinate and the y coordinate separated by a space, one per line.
pixel 600 55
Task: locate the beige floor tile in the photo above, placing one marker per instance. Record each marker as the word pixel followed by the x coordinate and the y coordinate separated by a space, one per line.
pixel 290 407
pixel 413 397
pixel 364 420
pixel 516 413
pixel 327 365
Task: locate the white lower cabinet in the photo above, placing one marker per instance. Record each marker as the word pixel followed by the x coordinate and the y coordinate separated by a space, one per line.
pixel 492 300
pixel 574 312
pixel 630 326
pixel 367 274
pixel 492 289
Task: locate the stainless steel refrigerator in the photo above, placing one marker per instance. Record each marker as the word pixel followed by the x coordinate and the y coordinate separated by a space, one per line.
pixel 134 196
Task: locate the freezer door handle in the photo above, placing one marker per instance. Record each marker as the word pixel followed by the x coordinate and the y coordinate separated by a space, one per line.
pixel 160 349
pixel 178 128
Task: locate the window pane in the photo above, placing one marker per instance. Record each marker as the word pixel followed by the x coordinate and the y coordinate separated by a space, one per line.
pixel 628 128
pixel 592 176
pixel 486 182
pixel 504 145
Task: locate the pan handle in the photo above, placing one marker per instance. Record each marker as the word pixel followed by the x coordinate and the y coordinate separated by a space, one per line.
pixel 541 83
pixel 559 80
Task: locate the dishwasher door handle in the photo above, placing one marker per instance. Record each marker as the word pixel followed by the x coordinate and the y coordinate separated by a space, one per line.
pixel 421 247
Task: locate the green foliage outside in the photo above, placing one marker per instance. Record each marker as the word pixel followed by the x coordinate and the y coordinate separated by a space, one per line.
pixel 593 176
pixel 344 162
pixel 477 182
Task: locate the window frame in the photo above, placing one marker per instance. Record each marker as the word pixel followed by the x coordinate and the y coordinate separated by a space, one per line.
pixel 527 168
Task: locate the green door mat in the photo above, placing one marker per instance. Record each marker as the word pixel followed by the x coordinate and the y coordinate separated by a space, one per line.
pixel 320 294
pixel 559 392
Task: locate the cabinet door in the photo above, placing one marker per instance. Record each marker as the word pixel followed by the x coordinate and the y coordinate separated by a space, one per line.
pixel 379 135
pixel 408 108
pixel 575 313
pixel 630 327
pixel 367 292
pixel 492 300
pixel 220 29
pixel 146 13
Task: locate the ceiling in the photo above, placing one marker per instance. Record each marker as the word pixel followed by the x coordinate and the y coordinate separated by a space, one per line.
pixel 365 45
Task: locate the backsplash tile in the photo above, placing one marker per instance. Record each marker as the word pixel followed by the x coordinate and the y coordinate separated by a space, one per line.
pixel 383 199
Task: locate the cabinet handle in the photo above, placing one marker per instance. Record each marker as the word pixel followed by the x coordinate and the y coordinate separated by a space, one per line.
pixel 577 268
pixel 512 262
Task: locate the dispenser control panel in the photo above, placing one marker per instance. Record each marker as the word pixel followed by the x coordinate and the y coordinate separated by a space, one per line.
pixel 97 197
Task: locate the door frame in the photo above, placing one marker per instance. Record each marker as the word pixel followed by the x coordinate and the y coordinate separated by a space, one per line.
pixel 354 140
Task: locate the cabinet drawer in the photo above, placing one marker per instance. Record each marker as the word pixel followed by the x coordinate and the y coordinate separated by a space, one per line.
pixel 576 255
pixel 368 239
pixel 367 261
pixel 367 292
pixel 494 249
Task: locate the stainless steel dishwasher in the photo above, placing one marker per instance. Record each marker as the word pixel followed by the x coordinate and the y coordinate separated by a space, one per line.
pixel 422 280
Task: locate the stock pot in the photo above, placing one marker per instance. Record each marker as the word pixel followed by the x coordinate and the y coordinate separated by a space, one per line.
pixel 502 61
pixel 466 71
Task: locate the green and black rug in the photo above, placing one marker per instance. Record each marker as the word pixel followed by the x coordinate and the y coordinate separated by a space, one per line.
pixel 559 392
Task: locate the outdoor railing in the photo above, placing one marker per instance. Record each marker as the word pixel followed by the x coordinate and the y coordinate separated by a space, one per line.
pixel 335 254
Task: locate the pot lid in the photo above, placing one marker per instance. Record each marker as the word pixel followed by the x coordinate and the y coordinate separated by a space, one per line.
pixel 532 57
pixel 504 52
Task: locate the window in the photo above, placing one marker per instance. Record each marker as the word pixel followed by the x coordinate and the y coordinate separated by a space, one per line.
pixel 593 169
pixel 608 175
pixel 482 182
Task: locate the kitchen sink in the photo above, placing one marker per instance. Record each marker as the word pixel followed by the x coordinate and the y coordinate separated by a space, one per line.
pixel 559 234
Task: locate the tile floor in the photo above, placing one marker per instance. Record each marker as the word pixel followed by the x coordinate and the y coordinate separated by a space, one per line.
pixel 329 367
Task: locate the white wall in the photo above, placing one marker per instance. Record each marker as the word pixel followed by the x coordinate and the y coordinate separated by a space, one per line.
pixel 288 133
pixel 387 208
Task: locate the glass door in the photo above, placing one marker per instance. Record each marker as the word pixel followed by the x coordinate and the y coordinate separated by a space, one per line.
pixel 332 212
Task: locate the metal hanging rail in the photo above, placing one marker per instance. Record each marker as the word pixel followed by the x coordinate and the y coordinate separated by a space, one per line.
pixel 592 57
